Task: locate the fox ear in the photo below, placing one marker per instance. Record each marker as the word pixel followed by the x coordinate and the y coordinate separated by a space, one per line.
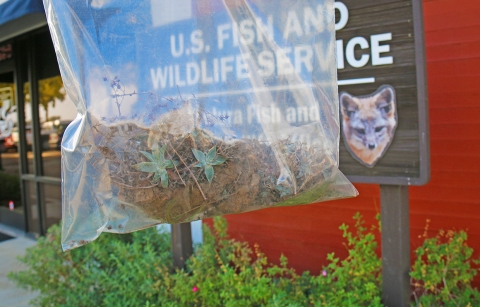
pixel 348 105
pixel 386 100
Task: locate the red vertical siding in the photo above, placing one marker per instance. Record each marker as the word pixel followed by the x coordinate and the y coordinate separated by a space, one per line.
pixel 305 234
pixel 450 200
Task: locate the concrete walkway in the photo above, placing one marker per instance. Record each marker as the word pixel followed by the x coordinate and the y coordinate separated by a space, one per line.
pixel 10 295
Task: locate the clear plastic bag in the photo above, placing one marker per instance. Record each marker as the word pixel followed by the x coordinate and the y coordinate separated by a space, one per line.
pixel 189 109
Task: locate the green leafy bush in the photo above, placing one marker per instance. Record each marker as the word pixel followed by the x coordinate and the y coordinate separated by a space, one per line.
pixel 442 272
pixel 356 280
pixel 225 272
pixel 136 270
pixel 10 187
pixel 115 270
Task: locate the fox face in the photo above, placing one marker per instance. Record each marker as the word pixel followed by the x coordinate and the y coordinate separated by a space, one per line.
pixel 369 123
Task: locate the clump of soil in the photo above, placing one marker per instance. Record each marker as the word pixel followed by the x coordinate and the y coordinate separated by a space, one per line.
pixel 247 180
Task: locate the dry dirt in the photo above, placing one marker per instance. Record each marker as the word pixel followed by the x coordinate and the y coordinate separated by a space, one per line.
pixel 247 180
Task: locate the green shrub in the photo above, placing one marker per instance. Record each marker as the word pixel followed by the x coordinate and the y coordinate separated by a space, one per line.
pixel 115 270
pixel 356 280
pixel 442 272
pixel 136 270
pixel 10 187
pixel 225 272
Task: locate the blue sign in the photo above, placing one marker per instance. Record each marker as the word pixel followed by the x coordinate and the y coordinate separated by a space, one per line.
pixel 13 9
pixel 246 65
pixel 206 54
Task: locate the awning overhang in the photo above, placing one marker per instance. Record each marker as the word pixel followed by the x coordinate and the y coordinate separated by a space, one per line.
pixel 20 16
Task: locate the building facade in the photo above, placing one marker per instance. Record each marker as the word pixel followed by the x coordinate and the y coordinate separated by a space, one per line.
pixel 34 112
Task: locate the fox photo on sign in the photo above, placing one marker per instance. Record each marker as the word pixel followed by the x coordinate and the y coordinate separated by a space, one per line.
pixel 382 94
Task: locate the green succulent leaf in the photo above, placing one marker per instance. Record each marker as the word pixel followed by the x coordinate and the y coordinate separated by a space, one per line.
pixel 219 160
pixel 211 154
pixel 159 155
pixel 164 178
pixel 148 167
pixel 156 177
pixel 199 155
pixel 148 155
pixel 209 173
pixel 169 164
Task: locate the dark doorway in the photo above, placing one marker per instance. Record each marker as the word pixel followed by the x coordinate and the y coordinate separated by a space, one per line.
pixel 34 112
pixel 11 207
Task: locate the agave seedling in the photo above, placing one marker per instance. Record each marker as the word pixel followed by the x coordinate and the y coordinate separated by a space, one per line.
pixel 207 161
pixel 158 165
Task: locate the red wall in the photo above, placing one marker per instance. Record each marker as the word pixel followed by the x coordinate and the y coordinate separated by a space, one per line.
pixel 305 234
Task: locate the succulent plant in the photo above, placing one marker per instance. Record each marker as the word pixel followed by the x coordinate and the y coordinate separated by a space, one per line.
pixel 158 165
pixel 208 160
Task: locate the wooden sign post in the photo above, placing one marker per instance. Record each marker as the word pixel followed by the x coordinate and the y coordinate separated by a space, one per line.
pixel 381 67
pixel 182 246
pixel 395 245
